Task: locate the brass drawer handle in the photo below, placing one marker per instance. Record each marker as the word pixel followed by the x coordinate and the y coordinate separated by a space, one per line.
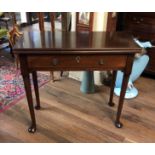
pixel 77 59
pixel 55 61
pixel 101 62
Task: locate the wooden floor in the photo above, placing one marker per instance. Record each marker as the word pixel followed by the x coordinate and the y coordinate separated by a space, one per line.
pixel 67 115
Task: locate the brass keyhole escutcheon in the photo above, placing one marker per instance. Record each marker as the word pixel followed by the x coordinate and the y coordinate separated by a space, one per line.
pixel 101 62
pixel 55 61
pixel 77 59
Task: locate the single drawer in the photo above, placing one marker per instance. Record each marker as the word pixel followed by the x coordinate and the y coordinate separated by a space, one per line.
pixel 77 62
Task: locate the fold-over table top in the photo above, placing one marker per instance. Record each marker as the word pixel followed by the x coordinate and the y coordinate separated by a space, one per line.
pixel 75 42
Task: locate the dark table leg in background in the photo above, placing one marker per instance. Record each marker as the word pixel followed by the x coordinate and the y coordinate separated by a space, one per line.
pixel 36 89
pixel 112 89
pixel 28 90
pixel 118 124
pixel 61 73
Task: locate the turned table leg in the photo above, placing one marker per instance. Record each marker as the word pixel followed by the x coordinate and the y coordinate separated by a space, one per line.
pixel 112 89
pixel 52 75
pixel 118 124
pixel 127 72
pixel 36 89
pixel 26 78
pixel 27 85
pixel 61 73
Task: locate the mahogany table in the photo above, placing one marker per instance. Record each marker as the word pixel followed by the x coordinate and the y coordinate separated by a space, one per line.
pixel 76 51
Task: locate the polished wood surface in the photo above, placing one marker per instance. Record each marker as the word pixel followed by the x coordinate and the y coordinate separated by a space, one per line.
pixel 142 26
pixel 76 62
pixel 67 115
pixel 111 21
pixel 52 15
pixel 36 53
pixel 111 103
pixel 41 21
pixel 70 42
pixel 150 69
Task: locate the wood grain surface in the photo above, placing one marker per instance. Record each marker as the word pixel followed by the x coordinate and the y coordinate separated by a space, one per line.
pixel 67 115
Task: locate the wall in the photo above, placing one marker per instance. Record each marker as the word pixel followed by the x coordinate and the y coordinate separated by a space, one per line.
pixel 100 21
pixel 23 17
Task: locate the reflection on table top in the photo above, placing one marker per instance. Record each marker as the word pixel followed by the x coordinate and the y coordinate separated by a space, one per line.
pixel 71 42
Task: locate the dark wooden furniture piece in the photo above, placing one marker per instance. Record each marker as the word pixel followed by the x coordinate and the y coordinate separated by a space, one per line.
pixel 111 21
pixel 142 26
pixel 84 21
pixel 40 51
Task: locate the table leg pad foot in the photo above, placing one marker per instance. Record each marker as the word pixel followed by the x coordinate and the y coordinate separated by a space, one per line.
pixel 118 124
pixel 37 107
pixel 32 129
pixel 111 104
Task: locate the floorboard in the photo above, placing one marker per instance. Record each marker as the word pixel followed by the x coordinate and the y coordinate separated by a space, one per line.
pixel 67 116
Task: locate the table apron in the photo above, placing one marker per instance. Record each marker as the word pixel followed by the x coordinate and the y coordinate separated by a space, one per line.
pixel 76 62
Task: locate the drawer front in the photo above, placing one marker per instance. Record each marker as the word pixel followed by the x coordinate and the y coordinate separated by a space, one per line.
pixel 77 62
